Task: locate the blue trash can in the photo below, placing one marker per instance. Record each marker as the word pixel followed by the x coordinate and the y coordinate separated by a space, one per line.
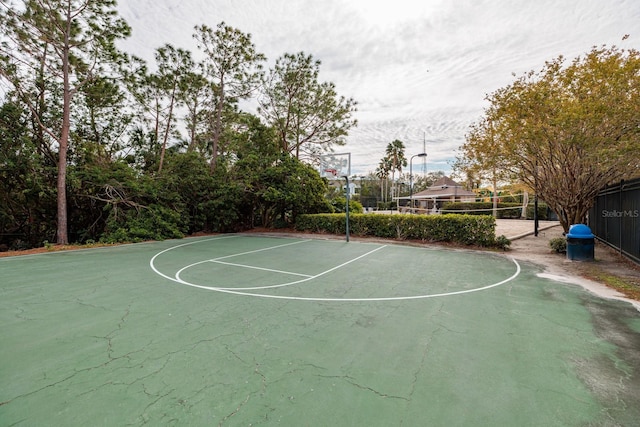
pixel 580 243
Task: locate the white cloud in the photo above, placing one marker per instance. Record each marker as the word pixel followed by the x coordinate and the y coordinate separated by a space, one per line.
pixel 419 70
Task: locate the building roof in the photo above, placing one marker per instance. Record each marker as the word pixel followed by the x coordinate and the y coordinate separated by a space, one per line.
pixel 444 187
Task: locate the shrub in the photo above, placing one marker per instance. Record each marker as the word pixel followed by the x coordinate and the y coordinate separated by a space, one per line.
pixel 505 210
pixel 339 205
pixel 543 211
pixel 462 229
pixel 558 244
pixel 151 223
pixel 502 242
pixel 386 206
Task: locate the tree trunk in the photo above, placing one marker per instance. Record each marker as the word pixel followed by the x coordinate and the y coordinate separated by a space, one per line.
pixel 217 127
pixel 62 236
pixel 495 197
pixel 165 139
pixel 62 231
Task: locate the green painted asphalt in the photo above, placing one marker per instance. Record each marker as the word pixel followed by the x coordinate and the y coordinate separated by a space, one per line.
pixel 143 334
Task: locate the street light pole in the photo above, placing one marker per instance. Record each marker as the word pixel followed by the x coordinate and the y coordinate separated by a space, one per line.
pixel 411 179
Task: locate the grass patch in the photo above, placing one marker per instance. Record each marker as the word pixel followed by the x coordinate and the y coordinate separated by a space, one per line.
pixel 626 286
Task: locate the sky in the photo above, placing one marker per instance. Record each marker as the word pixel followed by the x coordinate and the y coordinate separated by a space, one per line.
pixel 420 70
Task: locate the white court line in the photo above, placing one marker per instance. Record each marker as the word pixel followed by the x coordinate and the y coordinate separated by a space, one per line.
pixel 179 272
pixel 153 259
pixel 281 285
pixel 260 250
pixel 271 270
pixel 411 297
pixel 238 291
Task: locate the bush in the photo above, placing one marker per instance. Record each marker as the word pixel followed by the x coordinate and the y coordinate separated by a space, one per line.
pixel 505 210
pixel 461 229
pixel 558 244
pixel 386 206
pixel 151 223
pixel 543 211
pixel 339 205
pixel 502 242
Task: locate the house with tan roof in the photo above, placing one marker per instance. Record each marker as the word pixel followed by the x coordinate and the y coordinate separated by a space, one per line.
pixel 431 200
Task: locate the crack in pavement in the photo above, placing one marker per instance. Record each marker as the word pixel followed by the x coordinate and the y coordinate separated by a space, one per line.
pixel 262 390
pixel 355 383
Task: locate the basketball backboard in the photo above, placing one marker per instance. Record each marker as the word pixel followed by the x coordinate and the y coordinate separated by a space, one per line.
pixel 335 165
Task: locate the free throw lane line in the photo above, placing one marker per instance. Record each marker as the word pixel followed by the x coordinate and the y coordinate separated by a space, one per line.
pixel 255 288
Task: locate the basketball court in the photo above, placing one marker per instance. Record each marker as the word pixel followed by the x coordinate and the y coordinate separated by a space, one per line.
pixel 240 330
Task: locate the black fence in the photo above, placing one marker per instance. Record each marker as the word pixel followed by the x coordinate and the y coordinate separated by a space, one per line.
pixel 615 218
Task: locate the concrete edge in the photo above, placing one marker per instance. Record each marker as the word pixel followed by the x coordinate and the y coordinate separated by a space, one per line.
pixel 530 233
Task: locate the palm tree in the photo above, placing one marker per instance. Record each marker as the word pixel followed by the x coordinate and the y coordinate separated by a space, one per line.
pixel 395 155
pixel 382 172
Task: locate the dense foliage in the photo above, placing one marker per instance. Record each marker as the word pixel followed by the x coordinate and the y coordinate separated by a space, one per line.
pixel 566 131
pixel 98 145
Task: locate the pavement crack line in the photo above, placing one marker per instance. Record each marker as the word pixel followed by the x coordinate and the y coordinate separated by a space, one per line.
pixel 263 388
pixel 355 383
pixel 238 408
pixel 68 377
pixel 109 337
pixel 425 351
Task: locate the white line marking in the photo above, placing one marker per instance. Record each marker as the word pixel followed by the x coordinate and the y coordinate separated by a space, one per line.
pixel 411 297
pixel 260 268
pixel 260 250
pixel 153 259
pixel 281 285
pixel 238 291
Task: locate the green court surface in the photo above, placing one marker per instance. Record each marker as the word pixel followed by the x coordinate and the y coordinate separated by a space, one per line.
pixel 239 330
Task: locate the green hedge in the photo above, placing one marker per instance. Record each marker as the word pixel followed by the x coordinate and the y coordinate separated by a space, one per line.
pixel 542 211
pixel 462 229
pixel 386 206
pixel 505 210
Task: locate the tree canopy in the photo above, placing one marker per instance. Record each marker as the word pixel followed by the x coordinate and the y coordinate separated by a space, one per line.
pixel 309 116
pixel 54 48
pixel 234 67
pixel 566 131
pixel 96 144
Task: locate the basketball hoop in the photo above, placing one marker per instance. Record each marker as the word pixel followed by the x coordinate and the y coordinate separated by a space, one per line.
pixel 335 165
pixel 333 172
pixel 332 166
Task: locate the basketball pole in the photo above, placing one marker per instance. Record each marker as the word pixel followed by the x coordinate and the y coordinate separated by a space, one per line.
pixel 347 208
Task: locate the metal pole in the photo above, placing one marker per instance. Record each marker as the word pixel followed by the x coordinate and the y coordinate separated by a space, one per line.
pixel 411 185
pixel 411 179
pixel 347 208
pixel 535 216
pixel 535 203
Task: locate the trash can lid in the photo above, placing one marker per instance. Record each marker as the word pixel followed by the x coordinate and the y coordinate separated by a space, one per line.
pixel 580 231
